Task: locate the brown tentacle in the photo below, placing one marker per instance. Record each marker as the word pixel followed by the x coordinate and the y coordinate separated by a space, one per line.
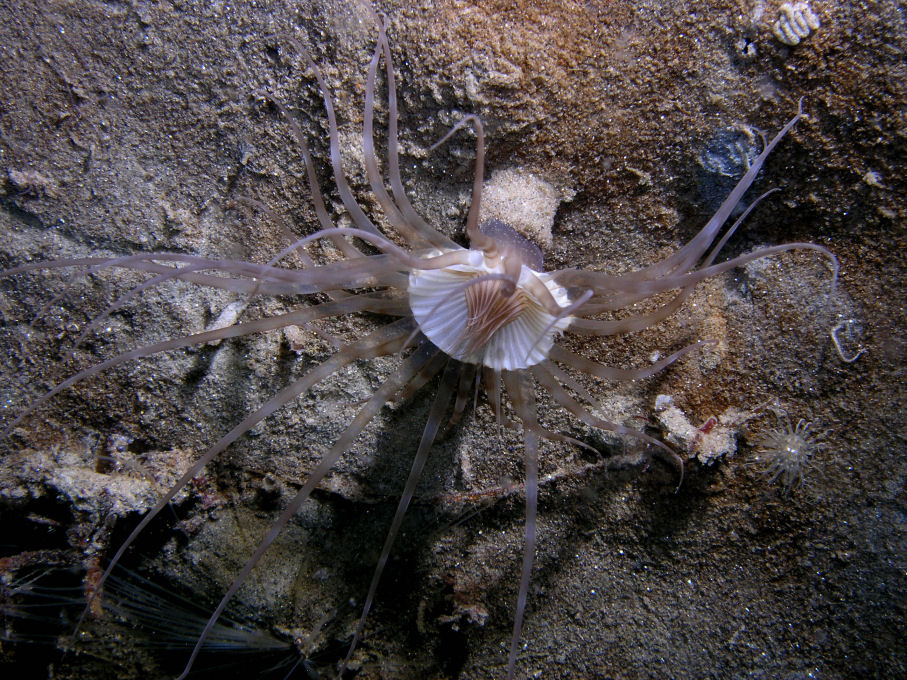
pixel 523 398
pixel 298 317
pixel 409 368
pixel 383 341
pixel 442 399
pixel 544 373
pixel 565 356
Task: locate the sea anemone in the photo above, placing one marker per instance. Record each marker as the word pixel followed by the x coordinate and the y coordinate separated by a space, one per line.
pixel 787 450
pixel 485 316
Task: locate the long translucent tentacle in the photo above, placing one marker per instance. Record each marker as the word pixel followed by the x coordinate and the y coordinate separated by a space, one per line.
pixel 410 367
pixel 298 317
pixel 351 273
pixel 348 249
pixel 441 402
pixel 467 377
pixel 544 373
pixel 687 256
pixel 151 262
pixel 492 379
pixel 643 321
pixel 393 156
pixel 618 294
pixel 388 247
pixel 360 219
pixel 568 380
pixel 477 239
pixel 523 398
pixel 532 489
pixel 402 217
pixel 176 273
pixel 383 341
pixel 248 204
pixel 565 356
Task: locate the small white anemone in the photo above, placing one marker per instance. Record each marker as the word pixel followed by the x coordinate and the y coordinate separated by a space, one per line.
pixel 463 313
pixel 787 451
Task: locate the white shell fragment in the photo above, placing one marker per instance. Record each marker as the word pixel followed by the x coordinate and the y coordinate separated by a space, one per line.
pixel 438 299
pixel 714 439
pixel 795 23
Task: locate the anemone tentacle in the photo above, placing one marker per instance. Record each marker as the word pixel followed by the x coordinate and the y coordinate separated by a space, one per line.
pixel 410 367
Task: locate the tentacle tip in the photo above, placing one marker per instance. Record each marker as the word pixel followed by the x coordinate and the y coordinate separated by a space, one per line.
pixel 682 470
pixel 836 269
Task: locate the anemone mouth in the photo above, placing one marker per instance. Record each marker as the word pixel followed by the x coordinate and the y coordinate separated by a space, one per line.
pixel 462 310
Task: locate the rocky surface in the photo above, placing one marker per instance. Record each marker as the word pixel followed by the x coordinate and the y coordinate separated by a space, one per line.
pixel 140 126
